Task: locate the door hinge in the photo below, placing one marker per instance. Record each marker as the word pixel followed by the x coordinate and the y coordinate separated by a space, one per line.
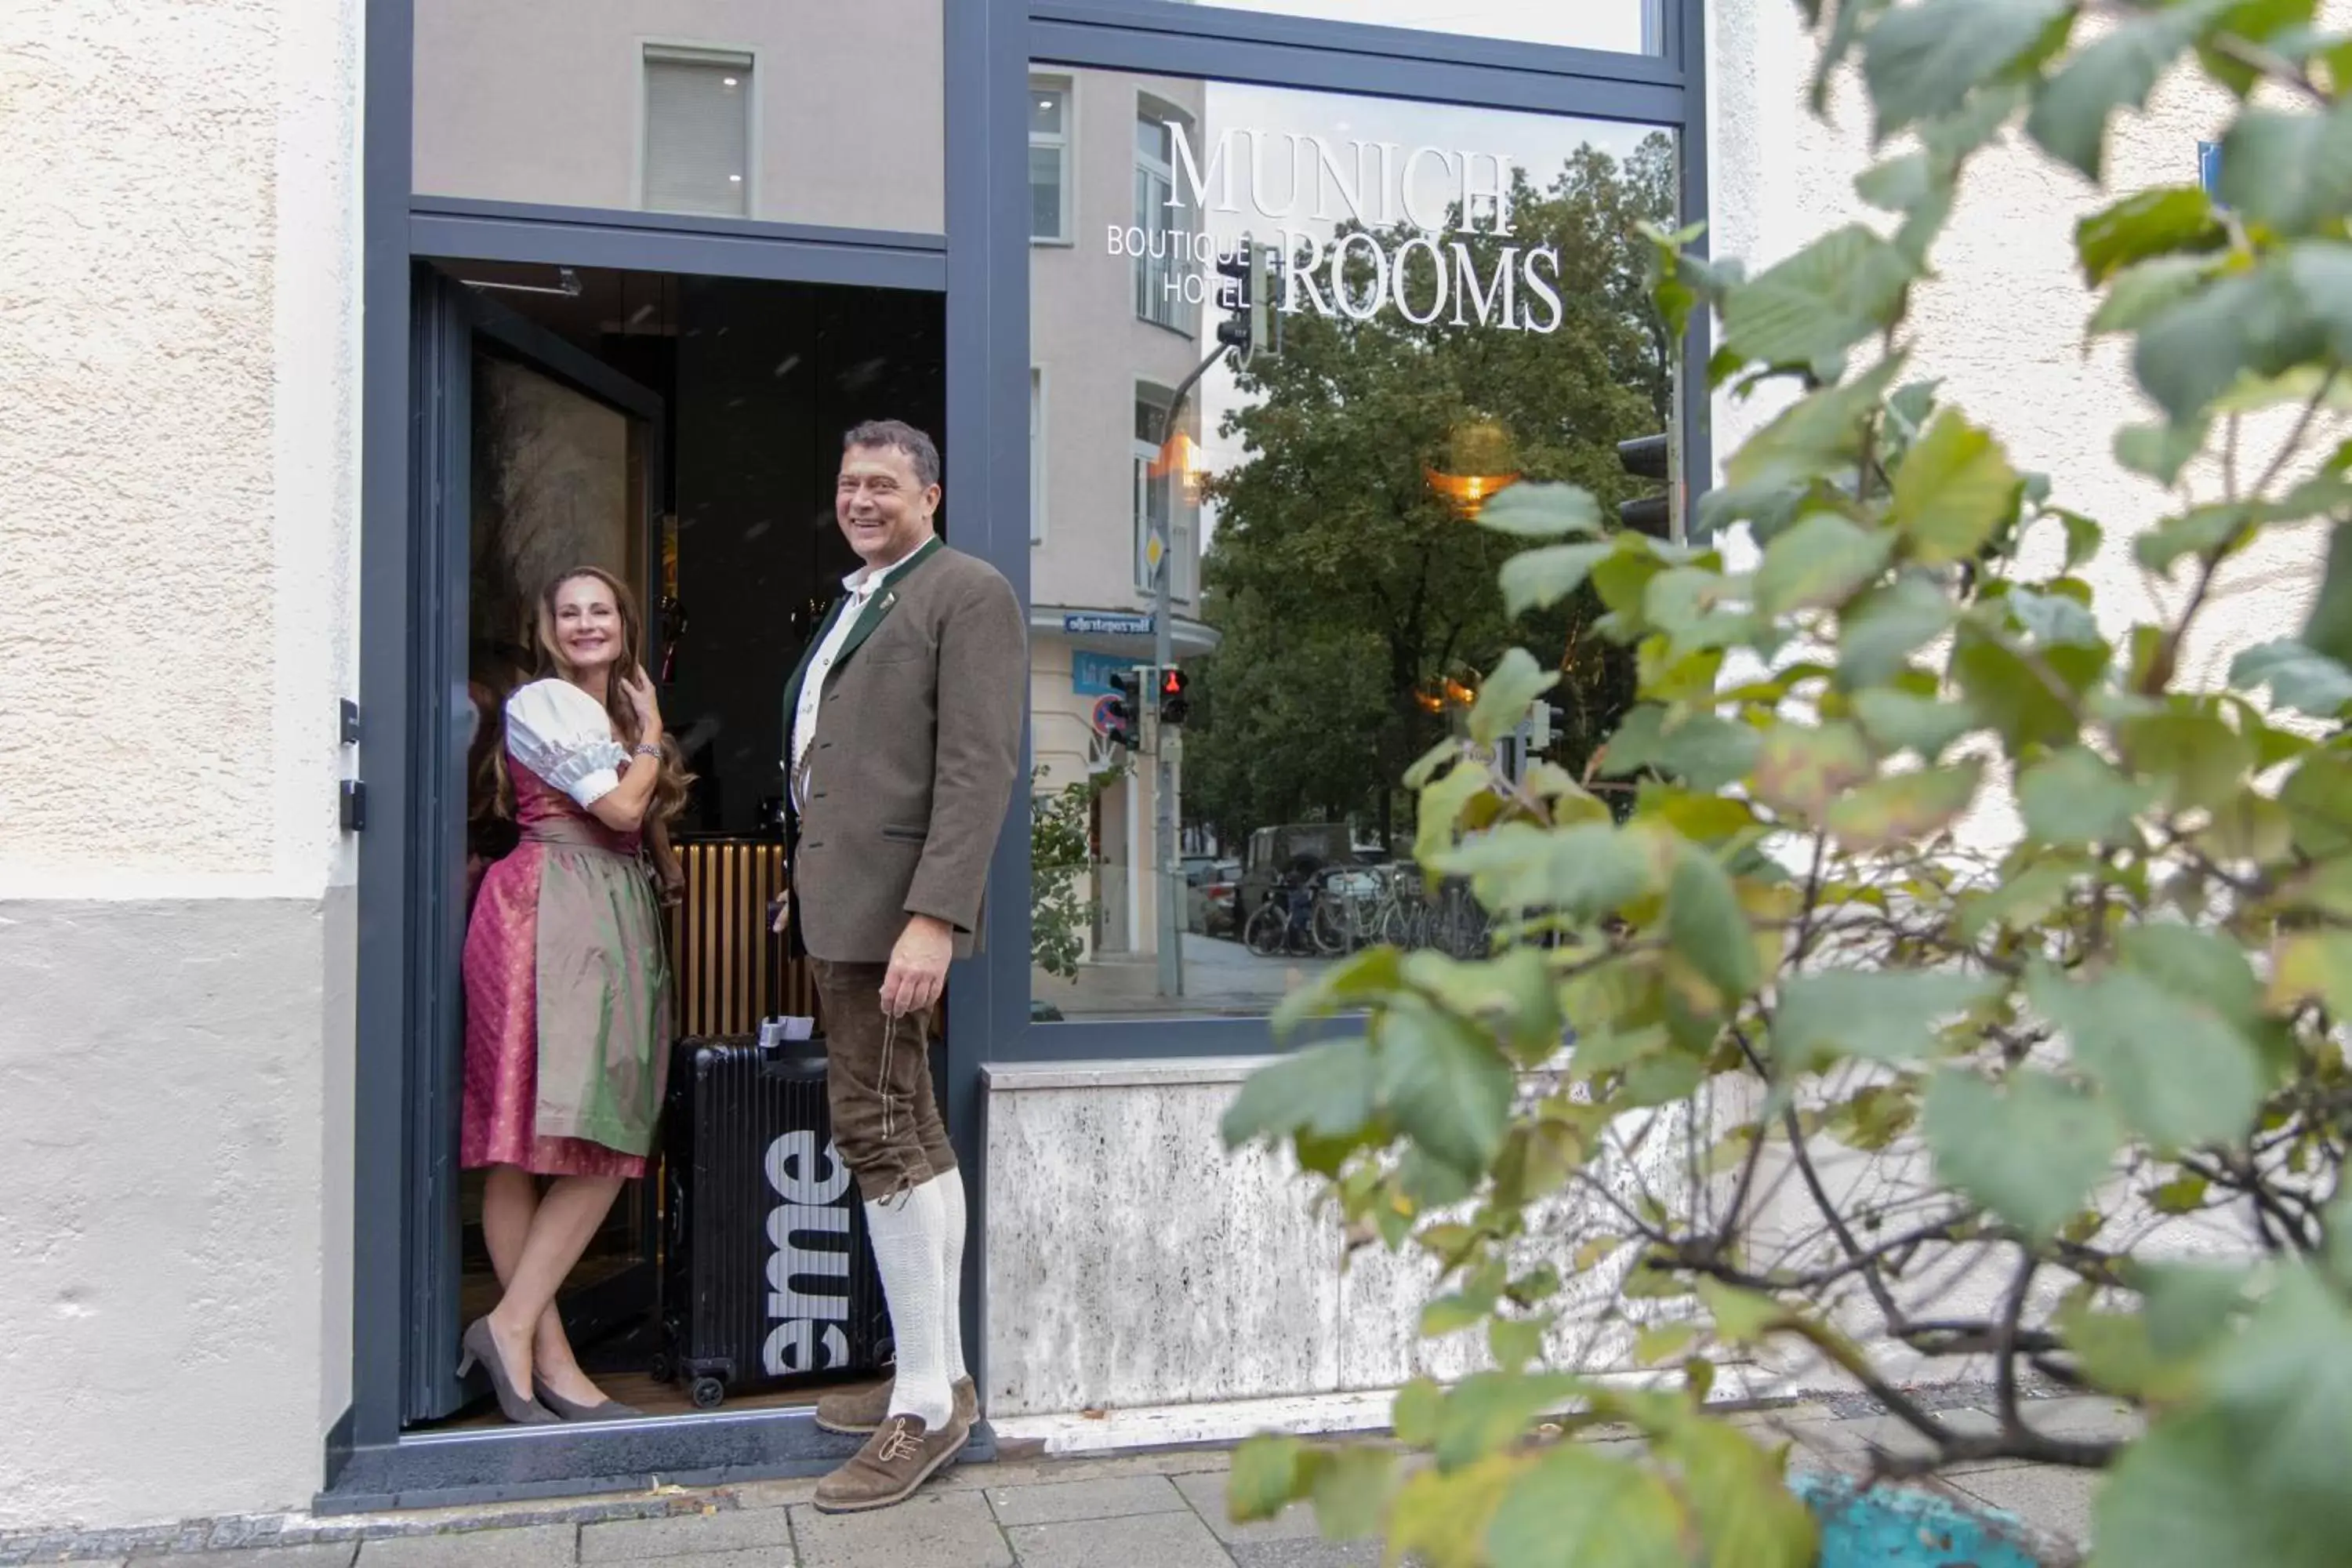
pixel 354 812
pixel 350 715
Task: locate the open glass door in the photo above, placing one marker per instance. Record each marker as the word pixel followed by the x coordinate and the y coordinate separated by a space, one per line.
pixel 530 456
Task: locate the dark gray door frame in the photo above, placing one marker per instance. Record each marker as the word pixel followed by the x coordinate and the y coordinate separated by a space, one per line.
pixel 982 265
pixel 450 327
pixel 406 978
pixel 653 242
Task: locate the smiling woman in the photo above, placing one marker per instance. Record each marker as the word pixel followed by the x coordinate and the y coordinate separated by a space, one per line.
pixel 567 985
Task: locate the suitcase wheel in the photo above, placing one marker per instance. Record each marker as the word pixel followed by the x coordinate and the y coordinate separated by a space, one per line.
pixel 659 1368
pixel 706 1393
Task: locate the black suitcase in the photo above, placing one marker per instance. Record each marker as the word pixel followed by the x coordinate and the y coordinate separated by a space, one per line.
pixel 767 1276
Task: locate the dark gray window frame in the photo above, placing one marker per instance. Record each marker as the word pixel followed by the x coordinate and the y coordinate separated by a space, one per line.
pixel 1151 37
pixel 982 265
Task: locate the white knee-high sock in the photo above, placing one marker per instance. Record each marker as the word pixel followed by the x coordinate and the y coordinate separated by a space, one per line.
pixel 950 1185
pixel 907 1235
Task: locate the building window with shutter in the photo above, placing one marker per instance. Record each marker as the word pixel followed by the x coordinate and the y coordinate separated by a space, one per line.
pixel 698 131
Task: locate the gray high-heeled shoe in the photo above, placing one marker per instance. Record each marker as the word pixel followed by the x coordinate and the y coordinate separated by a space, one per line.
pixel 571 1410
pixel 481 1348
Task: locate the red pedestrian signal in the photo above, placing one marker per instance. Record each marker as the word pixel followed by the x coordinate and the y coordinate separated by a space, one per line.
pixel 1172 704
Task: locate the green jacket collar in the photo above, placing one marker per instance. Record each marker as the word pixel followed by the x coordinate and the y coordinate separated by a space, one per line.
pixel 878 606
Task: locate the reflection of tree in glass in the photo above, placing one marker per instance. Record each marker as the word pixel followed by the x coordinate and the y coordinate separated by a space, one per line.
pixel 1061 849
pixel 1343 584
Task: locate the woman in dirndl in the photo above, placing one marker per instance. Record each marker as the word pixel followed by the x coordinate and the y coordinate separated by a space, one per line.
pixel 567 985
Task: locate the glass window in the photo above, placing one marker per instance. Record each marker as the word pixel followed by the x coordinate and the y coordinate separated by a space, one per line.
pixel 1617 27
pixel 1456 301
pixel 1154 507
pixel 1159 273
pixel 1049 161
pixel 697 111
pixel 622 104
pixel 1036 455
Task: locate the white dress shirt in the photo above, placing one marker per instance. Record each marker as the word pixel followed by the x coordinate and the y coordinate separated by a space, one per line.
pixel 861 585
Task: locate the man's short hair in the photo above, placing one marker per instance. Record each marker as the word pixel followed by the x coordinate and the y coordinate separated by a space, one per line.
pixel 902 436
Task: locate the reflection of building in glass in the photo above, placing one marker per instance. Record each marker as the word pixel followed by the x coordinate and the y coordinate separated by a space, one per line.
pixel 1112 337
pixel 735 108
pixel 1458 301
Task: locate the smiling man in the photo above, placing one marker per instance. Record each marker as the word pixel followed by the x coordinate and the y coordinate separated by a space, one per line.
pixel 902 729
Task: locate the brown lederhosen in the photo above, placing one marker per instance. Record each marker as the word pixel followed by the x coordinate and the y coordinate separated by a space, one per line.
pixel 886 1119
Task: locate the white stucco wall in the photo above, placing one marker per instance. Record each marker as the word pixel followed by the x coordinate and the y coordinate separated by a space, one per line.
pixel 2001 326
pixel 178 357
pixel 2000 323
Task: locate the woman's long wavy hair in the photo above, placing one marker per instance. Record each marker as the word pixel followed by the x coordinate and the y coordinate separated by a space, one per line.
pixel 670 790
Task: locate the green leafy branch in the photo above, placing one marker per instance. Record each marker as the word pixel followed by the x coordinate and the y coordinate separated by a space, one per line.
pixel 1961 947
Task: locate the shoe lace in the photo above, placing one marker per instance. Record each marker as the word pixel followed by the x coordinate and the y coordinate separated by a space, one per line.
pixel 900 1445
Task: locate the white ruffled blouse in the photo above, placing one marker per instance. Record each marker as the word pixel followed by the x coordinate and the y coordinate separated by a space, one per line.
pixel 565 735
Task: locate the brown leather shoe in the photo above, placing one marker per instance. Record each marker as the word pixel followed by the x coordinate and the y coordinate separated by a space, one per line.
pixel 898 1458
pixel 857 1411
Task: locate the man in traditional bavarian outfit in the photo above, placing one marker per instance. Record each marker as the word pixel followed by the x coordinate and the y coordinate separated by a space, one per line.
pixel 902 731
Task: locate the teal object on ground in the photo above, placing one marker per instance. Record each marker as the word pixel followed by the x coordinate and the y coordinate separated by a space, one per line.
pixel 1898 1527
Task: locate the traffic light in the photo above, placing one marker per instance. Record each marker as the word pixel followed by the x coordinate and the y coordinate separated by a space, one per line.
pixel 1172 704
pixel 1644 457
pixel 1123 716
pixel 1249 280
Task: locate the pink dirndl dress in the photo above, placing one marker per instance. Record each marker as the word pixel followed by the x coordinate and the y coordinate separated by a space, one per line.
pixel 567 983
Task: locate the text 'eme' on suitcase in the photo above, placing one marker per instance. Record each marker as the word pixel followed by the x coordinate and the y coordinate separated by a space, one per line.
pixel 768 1276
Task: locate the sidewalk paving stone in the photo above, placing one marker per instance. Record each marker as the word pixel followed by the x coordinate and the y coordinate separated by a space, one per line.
pixel 1158 1539
pixel 761 1496
pixel 2086 1417
pixel 2048 1497
pixel 1206 1493
pixel 1843 1445
pixel 532 1546
pixel 748 1557
pixel 1061 1501
pixel 632 1540
pixel 1158 1508
pixel 930 1529
pixel 1317 1553
pixel 1099 1466
pixel 320 1554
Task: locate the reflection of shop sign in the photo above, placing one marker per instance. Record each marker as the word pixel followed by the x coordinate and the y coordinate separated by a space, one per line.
pixel 1090 673
pixel 1106 625
pixel 1379 184
pixel 812 1208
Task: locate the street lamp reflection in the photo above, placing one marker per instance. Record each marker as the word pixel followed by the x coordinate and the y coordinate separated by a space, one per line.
pixel 1479 464
pixel 1181 456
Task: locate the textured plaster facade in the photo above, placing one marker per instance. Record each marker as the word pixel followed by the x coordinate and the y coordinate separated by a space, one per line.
pixel 2001 326
pixel 178 333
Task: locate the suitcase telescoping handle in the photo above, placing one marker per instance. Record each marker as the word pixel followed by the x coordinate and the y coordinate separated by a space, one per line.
pixel 786 1042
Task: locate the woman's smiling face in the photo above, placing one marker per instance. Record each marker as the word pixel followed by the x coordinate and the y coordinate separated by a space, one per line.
pixel 588 632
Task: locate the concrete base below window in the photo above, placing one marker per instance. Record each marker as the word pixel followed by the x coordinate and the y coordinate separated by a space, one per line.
pixel 1133 1263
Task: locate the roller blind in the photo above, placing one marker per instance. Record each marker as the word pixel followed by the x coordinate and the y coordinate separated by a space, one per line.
pixel 697 133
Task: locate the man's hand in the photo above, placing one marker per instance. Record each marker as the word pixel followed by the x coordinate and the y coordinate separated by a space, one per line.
pixel 919 966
